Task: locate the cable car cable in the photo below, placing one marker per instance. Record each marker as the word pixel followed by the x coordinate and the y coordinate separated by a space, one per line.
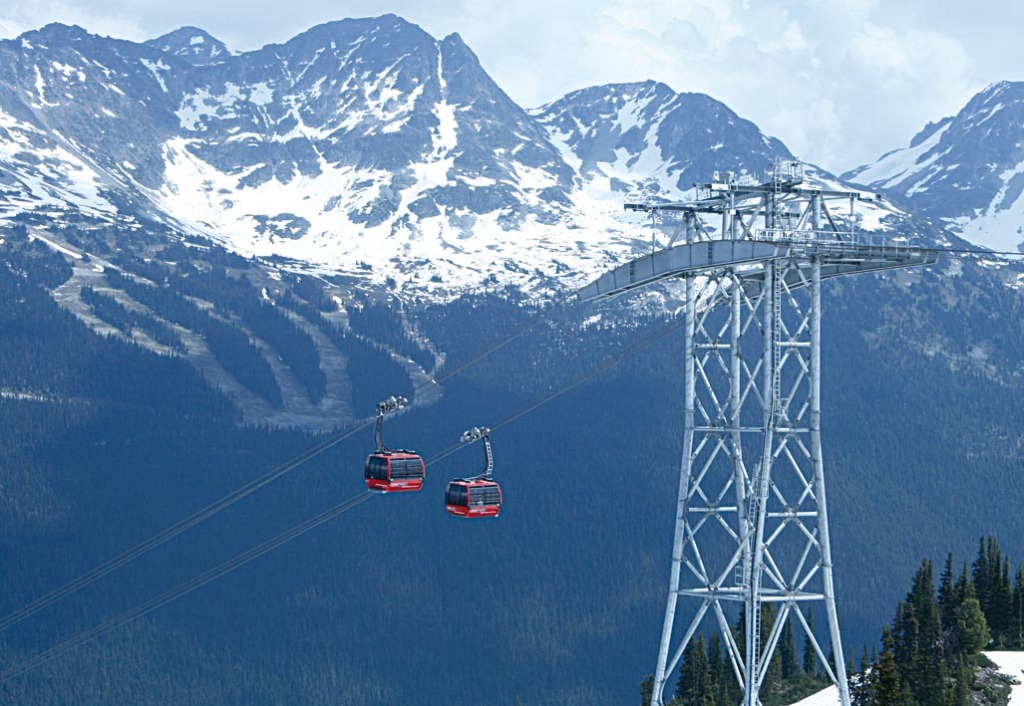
pixel 186 586
pixel 171 532
pixel 601 367
pixel 252 486
pixel 234 496
pixel 300 529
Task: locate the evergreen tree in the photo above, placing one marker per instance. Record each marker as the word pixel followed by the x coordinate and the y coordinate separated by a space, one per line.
pixel 772 681
pixel 695 687
pixel 1001 608
pixel 647 690
pixel 860 683
pixel 810 656
pixel 961 689
pixel 1017 618
pixel 887 689
pixel 787 652
pixel 980 574
pixel 718 667
pixel 926 672
pixel 727 689
pixel 948 600
pixel 991 574
pixel 971 629
pixel 906 634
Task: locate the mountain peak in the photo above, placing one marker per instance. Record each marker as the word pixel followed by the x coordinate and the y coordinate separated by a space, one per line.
pixel 359 133
pixel 999 87
pixel 965 169
pixel 454 39
pixel 645 129
pixel 58 31
pixel 192 44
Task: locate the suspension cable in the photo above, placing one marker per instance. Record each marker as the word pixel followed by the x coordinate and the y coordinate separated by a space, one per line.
pixel 252 486
pixel 300 529
pixel 186 586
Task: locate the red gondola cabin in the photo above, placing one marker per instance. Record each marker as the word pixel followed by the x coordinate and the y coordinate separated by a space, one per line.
pixel 473 498
pixel 395 472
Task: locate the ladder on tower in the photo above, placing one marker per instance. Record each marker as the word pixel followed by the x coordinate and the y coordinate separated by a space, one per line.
pixel 759 496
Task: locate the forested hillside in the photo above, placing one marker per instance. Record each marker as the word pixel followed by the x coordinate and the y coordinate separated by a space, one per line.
pixel 929 654
pixel 108 441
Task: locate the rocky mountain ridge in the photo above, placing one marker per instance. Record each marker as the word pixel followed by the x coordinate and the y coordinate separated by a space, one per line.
pixel 966 170
pixel 364 148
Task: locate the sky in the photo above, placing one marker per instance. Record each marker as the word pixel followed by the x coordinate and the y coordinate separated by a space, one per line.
pixel 840 82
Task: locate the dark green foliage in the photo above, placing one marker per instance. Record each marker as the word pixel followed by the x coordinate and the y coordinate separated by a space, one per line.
pixel 706 676
pixel 862 684
pixel 32 259
pixel 232 348
pixel 646 690
pixel 45 351
pixel 1016 631
pixel 727 690
pixel 231 295
pixel 373 373
pixel 772 684
pixel 962 690
pixel 925 670
pixel 695 686
pixel 312 292
pixel 947 599
pixel 383 323
pixel 888 689
pixel 972 632
pixel 810 664
pixel 930 654
pixel 787 652
pixel 108 309
pixel 991 574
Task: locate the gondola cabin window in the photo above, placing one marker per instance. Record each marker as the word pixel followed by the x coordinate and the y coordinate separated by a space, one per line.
pixel 456 495
pixel 393 472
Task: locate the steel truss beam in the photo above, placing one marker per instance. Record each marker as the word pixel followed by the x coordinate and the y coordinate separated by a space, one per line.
pixel 751 514
pixel 752 521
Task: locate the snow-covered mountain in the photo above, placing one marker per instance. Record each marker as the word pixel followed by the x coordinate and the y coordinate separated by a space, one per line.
pixel 361 147
pixel 645 136
pixel 967 169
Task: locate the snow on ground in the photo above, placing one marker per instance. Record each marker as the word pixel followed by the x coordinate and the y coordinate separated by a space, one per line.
pixel 1001 225
pixel 1010 663
pixel 45 173
pixel 825 697
pixel 438 254
pixel 898 165
pixel 34 235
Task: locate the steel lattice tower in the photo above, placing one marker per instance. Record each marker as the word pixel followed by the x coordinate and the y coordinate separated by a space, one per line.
pixel 752 520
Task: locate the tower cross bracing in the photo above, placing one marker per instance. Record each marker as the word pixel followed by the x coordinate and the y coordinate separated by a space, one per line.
pixel 751 516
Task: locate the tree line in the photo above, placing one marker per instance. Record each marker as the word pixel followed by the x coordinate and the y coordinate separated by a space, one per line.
pixel 930 655
pixel 229 345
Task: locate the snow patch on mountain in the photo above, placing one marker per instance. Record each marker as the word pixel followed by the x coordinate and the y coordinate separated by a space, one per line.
pixel 37 174
pixel 967 170
pixel 1001 225
pixel 369 149
pixel 895 166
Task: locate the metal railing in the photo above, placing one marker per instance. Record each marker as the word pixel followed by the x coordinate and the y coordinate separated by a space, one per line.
pixel 838 242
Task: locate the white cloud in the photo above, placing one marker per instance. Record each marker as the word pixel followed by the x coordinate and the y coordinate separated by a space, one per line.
pixel 839 82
